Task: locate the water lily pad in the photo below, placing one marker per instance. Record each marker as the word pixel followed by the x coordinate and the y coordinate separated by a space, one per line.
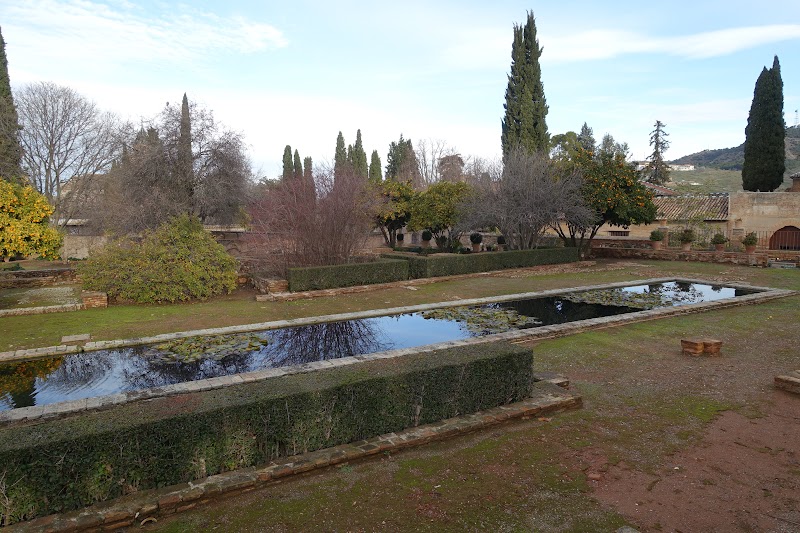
pixel 216 348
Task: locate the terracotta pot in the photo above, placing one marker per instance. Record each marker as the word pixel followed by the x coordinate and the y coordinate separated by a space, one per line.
pixel 750 249
pixel 657 245
pixel 719 247
pixel 686 246
pixel 476 247
pixel 426 244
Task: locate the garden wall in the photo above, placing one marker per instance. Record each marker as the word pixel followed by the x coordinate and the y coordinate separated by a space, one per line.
pixel 17 279
pixel 71 462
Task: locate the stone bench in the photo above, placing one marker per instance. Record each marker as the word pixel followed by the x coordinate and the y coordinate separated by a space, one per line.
pixel 789 382
pixel 701 346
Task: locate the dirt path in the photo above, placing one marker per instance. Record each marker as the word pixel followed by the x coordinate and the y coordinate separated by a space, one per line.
pixel 744 475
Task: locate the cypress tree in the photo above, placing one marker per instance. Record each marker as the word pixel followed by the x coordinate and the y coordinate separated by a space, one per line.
pixel 375 171
pixel 298 166
pixel 10 149
pixel 288 163
pixel 765 134
pixel 524 122
pixel 185 170
pixel 359 157
pixel 340 156
pixel 308 174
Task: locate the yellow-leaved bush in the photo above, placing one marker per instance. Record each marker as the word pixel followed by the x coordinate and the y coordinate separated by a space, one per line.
pixel 24 227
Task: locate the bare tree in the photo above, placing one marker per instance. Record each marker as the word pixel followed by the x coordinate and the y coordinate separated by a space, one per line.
pixel 531 194
pixel 67 143
pixel 326 229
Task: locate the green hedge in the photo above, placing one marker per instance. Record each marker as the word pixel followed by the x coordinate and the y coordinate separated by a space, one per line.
pixel 452 264
pixel 348 275
pixel 73 462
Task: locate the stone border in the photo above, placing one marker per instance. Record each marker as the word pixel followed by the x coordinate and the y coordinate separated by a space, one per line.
pixel 146 506
pixel 523 337
pixel 41 310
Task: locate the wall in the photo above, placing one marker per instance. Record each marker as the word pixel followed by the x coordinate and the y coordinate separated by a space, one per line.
pixel 79 246
pixel 764 211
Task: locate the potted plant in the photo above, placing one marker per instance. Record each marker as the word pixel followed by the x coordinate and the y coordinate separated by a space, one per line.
pixel 686 238
pixel 400 238
pixel 476 239
pixel 656 239
pixel 501 243
pixel 719 240
pixel 426 238
pixel 750 240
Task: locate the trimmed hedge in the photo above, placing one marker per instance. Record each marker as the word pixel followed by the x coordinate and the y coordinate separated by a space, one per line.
pixel 452 264
pixel 347 275
pixel 73 462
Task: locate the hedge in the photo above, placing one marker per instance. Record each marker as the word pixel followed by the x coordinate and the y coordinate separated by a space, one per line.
pixel 452 264
pixel 348 275
pixel 69 463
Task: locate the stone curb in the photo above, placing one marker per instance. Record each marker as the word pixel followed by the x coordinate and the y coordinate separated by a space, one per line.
pixel 136 509
pixel 42 310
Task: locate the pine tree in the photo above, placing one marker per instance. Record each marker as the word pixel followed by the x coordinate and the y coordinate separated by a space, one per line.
pixel 524 123
pixel 657 170
pixel 10 149
pixel 375 170
pixel 765 134
pixel 359 157
pixel 340 156
pixel 298 166
pixel 288 163
pixel 184 163
pixel 586 138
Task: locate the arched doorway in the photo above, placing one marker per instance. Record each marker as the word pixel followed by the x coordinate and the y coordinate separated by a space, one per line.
pixel 786 238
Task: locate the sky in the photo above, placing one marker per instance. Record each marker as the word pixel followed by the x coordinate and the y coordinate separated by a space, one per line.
pixel 299 72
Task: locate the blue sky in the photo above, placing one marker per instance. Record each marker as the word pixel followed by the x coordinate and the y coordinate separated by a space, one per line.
pixel 299 72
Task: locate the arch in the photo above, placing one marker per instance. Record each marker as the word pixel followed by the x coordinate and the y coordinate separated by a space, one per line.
pixel 786 238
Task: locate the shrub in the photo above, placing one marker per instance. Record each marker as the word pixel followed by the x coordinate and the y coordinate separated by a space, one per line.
pixel 656 235
pixel 179 261
pixel 76 461
pixel 476 238
pixel 400 237
pixel 718 238
pixel 501 240
pixel 427 235
pixel 687 236
pixel 348 275
pixel 751 239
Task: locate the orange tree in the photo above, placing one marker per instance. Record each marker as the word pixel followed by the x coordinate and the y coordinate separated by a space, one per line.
pixel 612 190
pixel 393 212
pixel 438 209
pixel 24 228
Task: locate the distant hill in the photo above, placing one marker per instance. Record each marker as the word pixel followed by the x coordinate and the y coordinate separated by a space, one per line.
pixel 732 158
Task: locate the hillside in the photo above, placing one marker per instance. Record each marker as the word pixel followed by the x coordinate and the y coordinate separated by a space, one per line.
pixel 732 158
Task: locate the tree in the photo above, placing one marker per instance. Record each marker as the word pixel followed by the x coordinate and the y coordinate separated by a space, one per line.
pixel 657 170
pixel 67 143
pixel 10 149
pixel 610 147
pixel 524 122
pixel 438 209
pixel 24 228
pixel 564 146
pixel 394 210
pixel 401 163
pixel 613 193
pixel 451 168
pixel 358 157
pixel 288 163
pixel 340 156
pixel 308 166
pixel 428 154
pixel 586 138
pixel 765 134
pixel 375 169
pixel 533 192
pixel 142 190
pixel 297 173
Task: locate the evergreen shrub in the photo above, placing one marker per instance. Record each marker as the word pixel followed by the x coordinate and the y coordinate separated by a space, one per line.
pixel 179 261
pixel 73 462
pixel 347 275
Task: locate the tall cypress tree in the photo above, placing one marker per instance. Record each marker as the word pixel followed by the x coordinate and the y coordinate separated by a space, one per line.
pixel 375 170
pixel 524 122
pixel 765 134
pixel 340 156
pixel 298 166
pixel 288 163
pixel 308 173
pixel 10 149
pixel 184 163
pixel 359 157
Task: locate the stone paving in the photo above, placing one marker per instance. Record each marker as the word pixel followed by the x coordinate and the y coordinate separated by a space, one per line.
pixel 547 399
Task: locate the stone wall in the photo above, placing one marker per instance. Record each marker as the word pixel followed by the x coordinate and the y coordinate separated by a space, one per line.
pixel 80 246
pixel 17 279
pixel 764 211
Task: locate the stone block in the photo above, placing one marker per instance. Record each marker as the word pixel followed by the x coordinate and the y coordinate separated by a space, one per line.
pixel 789 383
pixel 701 346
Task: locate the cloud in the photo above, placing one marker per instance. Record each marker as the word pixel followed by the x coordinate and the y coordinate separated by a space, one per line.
pixel 491 47
pixel 121 31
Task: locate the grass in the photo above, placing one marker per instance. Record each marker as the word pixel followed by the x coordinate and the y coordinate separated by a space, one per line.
pixel 710 180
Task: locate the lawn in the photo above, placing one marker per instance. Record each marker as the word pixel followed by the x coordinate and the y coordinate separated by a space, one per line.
pixel 650 417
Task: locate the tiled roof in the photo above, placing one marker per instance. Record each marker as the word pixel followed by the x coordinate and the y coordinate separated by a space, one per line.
pixel 685 207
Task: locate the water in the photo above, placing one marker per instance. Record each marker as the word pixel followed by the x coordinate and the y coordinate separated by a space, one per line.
pixel 105 372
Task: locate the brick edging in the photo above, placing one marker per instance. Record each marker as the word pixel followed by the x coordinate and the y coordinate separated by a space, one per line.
pixel 138 508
